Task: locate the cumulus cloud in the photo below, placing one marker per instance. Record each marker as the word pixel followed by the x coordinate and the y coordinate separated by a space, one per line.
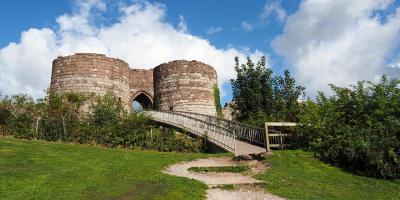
pixel 395 65
pixel 247 26
pixel 213 30
pixel 182 27
pixel 273 9
pixel 140 36
pixel 339 42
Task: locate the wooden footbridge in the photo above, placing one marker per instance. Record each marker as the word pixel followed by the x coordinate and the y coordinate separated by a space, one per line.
pixel 232 136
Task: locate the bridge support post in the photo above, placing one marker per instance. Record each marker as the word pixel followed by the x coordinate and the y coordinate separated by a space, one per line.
pixel 267 146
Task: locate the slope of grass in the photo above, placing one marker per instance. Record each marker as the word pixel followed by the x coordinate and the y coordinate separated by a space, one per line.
pixel 42 170
pixel 233 169
pixel 298 175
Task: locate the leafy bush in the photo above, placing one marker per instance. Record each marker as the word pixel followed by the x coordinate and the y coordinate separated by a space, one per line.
pixel 357 128
pixel 5 118
pixel 86 118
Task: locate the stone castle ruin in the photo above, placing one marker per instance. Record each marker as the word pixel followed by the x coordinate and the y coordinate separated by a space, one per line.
pixel 177 85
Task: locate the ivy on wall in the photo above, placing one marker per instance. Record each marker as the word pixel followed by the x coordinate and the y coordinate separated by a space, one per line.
pixel 217 101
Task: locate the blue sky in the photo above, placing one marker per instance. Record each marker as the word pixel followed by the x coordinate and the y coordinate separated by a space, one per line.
pixel 321 42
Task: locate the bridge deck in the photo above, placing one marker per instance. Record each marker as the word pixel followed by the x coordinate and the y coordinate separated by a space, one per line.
pixel 246 148
pixel 216 131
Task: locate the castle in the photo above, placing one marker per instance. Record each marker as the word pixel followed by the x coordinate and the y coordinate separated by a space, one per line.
pixel 177 85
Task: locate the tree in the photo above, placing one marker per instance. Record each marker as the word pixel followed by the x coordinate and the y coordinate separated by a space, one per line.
pixel 290 94
pixel 259 96
pixel 107 110
pixel 247 89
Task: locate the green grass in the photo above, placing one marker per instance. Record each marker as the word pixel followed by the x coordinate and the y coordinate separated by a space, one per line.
pixel 298 175
pixel 42 170
pixel 233 169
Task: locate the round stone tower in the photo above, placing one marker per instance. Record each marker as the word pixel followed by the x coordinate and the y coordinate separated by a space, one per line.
pixel 185 86
pixel 88 72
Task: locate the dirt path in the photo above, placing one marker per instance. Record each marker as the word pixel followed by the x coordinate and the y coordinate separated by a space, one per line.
pixel 244 182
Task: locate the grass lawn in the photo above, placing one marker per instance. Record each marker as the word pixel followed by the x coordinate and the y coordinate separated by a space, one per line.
pixel 298 175
pixel 42 170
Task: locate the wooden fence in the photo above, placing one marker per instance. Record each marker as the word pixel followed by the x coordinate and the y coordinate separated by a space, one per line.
pixel 279 134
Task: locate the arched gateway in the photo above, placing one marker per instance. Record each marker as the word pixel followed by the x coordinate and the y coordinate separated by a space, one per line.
pixel 177 85
pixel 142 100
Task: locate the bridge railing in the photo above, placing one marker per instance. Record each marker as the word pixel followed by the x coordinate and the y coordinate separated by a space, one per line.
pixel 220 136
pixel 242 131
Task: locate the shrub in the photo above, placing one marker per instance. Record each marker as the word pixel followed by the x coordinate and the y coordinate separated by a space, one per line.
pixel 85 118
pixel 5 118
pixel 357 128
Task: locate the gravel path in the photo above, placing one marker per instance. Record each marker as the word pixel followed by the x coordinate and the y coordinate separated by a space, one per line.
pixel 218 194
pixel 243 182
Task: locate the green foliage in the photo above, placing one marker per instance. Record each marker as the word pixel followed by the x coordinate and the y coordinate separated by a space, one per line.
pixel 357 128
pixel 259 96
pixel 217 101
pixel 87 118
pixel 5 118
pixel 18 115
pixel 107 110
pixel 299 175
pixel 42 170
pixel 64 115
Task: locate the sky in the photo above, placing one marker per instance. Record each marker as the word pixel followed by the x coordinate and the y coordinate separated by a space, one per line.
pixel 321 42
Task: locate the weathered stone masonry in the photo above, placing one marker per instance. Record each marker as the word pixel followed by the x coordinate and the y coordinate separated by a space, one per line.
pixel 178 85
pixel 185 86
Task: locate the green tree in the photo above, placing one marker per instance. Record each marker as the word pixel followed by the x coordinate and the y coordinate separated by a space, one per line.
pixel 289 95
pixel 259 96
pixel 107 110
pixel 65 115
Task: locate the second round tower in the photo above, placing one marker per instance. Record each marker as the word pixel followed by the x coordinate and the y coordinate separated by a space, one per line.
pixel 185 86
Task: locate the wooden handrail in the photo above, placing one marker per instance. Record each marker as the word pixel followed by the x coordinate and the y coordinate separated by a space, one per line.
pixel 220 136
pixel 243 131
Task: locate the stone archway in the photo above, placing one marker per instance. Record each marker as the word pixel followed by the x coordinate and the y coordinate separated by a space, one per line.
pixel 141 100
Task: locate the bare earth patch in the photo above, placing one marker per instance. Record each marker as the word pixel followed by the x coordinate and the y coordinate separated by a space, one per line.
pixel 244 188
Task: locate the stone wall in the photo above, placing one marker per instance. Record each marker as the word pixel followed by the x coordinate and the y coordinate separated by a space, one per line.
pixel 185 86
pixel 178 85
pixel 141 81
pixel 228 111
pixel 87 72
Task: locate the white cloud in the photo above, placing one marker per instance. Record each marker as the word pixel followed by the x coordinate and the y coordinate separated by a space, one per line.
pixel 213 30
pixel 339 42
pixel 273 8
pixel 182 27
pixel 394 65
pixel 247 26
pixel 141 36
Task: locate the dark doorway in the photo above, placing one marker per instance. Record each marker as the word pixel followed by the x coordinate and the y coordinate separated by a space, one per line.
pixel 142 101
